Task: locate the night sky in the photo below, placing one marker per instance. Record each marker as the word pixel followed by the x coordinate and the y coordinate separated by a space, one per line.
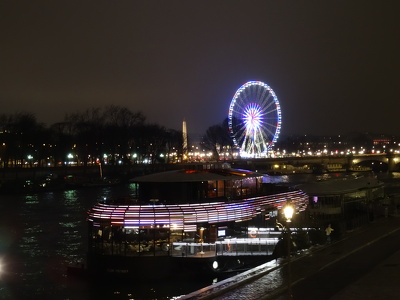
pixel 334 65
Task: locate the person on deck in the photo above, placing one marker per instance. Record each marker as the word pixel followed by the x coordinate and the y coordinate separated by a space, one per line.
pixel 328 232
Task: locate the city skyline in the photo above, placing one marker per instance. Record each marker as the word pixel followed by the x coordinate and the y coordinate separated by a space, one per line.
pixel 332 66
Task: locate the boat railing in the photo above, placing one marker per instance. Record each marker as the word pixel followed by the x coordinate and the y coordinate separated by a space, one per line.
pixel 182 249
pixel 246 246
pixel 227 247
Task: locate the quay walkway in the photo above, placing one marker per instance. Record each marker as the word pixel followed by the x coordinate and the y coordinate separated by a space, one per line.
pixel 270 280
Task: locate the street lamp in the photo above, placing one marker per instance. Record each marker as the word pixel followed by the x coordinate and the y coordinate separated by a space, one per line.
pixel 288 212
pixel 30 157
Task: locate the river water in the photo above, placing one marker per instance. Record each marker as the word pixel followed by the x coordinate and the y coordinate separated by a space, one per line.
pixel 42 233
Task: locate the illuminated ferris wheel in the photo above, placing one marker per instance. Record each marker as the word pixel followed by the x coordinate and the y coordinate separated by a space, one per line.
pixel 254 119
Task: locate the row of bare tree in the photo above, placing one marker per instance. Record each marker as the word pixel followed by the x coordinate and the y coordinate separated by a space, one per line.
pixel 112 130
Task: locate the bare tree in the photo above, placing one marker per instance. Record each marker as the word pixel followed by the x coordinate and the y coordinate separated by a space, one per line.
pixel 21 136
pixel 216 138
pixel 120 126
pixel 87 128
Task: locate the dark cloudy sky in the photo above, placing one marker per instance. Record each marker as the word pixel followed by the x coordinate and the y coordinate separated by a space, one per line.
pixel 334 65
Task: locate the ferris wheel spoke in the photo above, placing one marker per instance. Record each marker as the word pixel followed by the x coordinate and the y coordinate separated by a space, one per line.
pixel 271 122
pixel 243 136
pixel 245 97
pixel 268 136
pixel 240 131
pixel 252 93
pixel 265 140
pixel 269 107
pixel 265 100
pixel 272 111
pixel 270 130
pixel 264 91
pixel 270 116
pixel 257 92
pixel 240 106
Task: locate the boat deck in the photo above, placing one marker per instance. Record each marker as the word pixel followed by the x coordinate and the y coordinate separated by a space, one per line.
pixel 227 247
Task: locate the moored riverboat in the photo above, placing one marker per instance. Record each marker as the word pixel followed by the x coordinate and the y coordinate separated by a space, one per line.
pixel 189 222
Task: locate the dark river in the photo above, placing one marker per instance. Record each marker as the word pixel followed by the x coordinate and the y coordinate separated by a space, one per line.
pixel 41 234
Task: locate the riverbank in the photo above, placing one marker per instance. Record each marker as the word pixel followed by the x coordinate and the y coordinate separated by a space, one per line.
pixel 265 281
pixel 38 179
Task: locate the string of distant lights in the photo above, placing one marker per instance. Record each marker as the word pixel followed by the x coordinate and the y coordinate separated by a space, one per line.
pixel 187 216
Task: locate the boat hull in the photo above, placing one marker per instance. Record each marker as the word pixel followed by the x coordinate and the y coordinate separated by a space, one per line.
pixel 162 267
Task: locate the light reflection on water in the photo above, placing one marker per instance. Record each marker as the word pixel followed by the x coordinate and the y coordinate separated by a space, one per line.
pixel 47 233
pixel 42 234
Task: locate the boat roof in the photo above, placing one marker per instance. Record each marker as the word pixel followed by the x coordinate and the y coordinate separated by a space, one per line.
pixel 187 216
pixel 340 186
pixel 196 175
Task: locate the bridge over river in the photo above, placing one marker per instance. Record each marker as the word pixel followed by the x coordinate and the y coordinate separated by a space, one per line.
pixel 358 162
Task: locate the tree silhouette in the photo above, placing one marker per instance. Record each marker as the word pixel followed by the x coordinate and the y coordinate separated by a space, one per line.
pixel 216 138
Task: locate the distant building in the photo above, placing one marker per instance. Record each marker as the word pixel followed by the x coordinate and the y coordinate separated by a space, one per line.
pixel 381 141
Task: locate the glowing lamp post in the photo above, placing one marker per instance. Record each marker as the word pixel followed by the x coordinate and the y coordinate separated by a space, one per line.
pixel 30 157
pixel 288 212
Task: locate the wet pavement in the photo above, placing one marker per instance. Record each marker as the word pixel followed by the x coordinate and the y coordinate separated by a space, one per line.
pixel 382 282
pixel 376 280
